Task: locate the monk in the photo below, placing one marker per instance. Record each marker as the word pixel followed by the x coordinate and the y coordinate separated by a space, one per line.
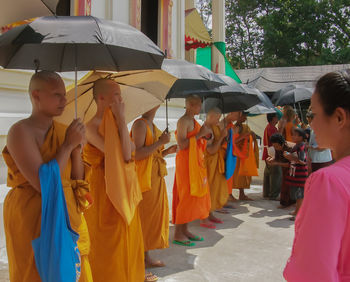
pixel 228 122
pixel 32 142
pixel 191 198
pixel 242 145
pixel 117 251
pixel 151 170
pixel 215 162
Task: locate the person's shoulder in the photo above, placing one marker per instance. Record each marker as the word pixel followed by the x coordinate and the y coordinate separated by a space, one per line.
pixel 183 120
pixel 20 128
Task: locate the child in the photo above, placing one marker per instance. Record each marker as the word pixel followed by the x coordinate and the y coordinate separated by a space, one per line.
pixel 298 169
pixel 280 145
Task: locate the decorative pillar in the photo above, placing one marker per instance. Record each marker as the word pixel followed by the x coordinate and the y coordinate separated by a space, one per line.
pixel 191 54
pixel 135 13
pixel 80 8
pixel 165 26
pixel 218 49
pixel 180 29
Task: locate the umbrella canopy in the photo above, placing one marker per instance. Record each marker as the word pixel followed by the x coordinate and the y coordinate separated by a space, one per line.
pixel 191 79
pixel 234 97
pixel 264 107
pixel 291 94
pixel 141 91
pixel 78 43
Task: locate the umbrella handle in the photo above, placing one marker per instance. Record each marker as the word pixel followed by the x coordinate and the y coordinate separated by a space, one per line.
pixel 166 115
pixel 76 93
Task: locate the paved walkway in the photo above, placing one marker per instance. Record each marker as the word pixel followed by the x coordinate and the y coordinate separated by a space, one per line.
pixel 253 244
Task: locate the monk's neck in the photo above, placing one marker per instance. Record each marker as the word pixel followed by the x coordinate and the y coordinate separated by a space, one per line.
pixel 189 114
pixel 41 120
pixel 100 112
pixel 149 118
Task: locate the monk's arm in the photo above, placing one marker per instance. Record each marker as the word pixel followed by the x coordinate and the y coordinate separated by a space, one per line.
pixel 127 145
pixel 182 139
pixel 139 131
pixel 78 171
pixel 214 146
pixel 27 154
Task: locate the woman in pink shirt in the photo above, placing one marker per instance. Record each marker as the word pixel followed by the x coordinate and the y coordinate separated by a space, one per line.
pixel 321 249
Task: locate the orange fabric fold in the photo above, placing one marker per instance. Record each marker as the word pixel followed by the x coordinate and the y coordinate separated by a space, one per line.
pixel 197 168
pixel 187 207
pixel 122 185
pixel 144 167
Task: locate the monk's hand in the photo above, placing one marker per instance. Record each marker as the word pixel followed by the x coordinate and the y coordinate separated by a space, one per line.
pixel 165 137
pixel 75 134
pixel 204 131
pixel 223 133
pixel 172 149
pixel 118 110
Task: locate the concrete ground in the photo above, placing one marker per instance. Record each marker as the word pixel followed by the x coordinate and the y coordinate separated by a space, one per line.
pixel 252 245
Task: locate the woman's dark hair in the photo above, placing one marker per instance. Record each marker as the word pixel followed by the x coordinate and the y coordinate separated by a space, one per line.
pixel 277 138
pixel 300 132
pixel 334 91
pixel 270 117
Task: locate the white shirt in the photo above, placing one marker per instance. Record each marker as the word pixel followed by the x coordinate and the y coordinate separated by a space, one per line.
pixel 317 156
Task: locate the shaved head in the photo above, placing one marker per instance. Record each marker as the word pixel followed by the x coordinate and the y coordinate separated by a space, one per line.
pixel 215 110
pixel 42 79
pixel 213 116
pixel 193 99
pixel 102 86
pixel 47 93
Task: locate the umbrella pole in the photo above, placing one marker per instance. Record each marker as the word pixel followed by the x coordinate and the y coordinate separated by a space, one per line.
pixel 301 113
pixel 167 115
pixel 76 93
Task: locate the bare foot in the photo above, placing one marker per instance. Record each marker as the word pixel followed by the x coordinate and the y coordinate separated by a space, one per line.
pixel 154 263
pixel 245 198
pixel 214 219
pixel 223 211
pixel 206 223
pixel 231 198
pixel 149 262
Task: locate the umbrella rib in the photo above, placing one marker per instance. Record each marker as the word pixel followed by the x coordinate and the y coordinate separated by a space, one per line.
pixel 115 63
pixel 62 54
pixel 88 108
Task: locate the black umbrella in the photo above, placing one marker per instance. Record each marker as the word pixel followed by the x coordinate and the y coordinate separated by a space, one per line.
pixel 78 43
pixel 291 94
pixel 234 97
pixel 191 79
pixel 264 107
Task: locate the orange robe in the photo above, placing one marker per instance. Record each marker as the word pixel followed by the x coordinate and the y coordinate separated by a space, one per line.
pixel 216 174
pixel 240 181
pixel 288 131
pixel 117 251
pixel 187 207
pixel 22 213
pixel 154 208
pixel 229 181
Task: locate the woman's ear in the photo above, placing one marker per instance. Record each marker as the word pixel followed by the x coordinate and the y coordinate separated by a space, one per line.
pixel 342 117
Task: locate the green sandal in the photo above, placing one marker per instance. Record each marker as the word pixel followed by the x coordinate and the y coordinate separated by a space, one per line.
pixel 184 243
pixel 196 238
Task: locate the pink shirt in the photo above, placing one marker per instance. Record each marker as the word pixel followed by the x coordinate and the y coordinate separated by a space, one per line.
pixel 321 249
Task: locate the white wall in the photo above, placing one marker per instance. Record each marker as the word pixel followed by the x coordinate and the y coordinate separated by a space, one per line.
pixel 121 11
